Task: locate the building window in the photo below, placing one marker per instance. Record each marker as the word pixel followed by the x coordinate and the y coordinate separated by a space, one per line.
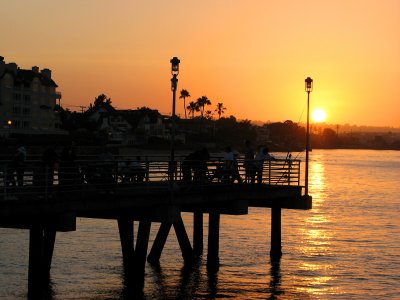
pixel 17 124
pixel 17 98
pixel 27 100
pixel 16 111
pixel 26 111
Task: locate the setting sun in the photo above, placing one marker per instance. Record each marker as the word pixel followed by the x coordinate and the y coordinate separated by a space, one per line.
pixel 319 115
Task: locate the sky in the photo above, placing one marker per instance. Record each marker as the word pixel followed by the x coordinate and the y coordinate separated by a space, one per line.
pixel 253 56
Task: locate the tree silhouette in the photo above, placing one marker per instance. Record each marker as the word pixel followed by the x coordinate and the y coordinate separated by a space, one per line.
pixel 201 103
pixel 184 94
pixel 192 107
pixel 101 100
pixel 220 110
pixel 208 114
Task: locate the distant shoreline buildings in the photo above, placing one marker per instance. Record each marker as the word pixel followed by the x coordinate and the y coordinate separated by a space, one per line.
pixel 29 111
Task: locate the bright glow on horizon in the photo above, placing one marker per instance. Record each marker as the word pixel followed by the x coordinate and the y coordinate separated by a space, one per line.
pixel 319 115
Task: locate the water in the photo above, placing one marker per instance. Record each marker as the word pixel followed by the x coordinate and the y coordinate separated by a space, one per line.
pixel 346 247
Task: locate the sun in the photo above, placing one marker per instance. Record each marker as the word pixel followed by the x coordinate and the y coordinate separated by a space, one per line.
pixel 319 115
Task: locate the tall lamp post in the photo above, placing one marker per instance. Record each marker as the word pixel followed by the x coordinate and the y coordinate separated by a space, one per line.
pixel 309 87
pixel 174 84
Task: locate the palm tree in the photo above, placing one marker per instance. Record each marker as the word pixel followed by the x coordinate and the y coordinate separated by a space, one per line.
pixel 208 114
pixel 202 102
pixel 184 94
pixel 220 110
pixel 192 107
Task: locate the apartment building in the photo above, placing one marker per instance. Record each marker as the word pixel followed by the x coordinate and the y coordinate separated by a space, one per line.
pixel 27 101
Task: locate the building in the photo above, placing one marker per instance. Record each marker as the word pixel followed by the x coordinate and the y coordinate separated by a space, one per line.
pixel 130 127
pixel 27 101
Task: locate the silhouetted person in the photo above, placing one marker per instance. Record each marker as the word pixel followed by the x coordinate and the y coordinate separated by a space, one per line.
pixel 68 172
pixel 259 159
pixel 249 162
pixel 16 165
pixel 132 170
pixel 105 169
pixel 137 169
pixel 49 160
pixel 195 162
pixel 231 167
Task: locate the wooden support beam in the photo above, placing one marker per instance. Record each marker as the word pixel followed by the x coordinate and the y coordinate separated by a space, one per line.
pixel 276 244
pixel 184 243
pixel 141 245
pixel 198 233
pixel 213 241
pixel 159 242
pixel 125 227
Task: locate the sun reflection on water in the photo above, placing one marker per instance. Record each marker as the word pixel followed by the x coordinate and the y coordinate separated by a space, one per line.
pixel 316 236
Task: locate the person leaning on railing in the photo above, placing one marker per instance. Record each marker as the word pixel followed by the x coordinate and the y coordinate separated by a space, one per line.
pixel 261 156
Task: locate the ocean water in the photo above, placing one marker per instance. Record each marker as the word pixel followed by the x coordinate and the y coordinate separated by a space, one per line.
pixel 346 247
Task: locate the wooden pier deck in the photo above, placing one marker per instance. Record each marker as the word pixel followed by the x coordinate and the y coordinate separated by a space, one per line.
pixel 159 194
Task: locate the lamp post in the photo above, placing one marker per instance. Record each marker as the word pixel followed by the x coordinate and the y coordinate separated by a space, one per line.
pixel 174 84
pixel 308 87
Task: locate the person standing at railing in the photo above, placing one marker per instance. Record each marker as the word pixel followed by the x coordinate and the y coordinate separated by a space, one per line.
pixel 133 170
pixel 249 162
pixel 261 156
pixel 49 160
pixel 106 171
pixel 138 170
pixel 68 172
pixel 196 162
pixel 231 168
pixel 16 165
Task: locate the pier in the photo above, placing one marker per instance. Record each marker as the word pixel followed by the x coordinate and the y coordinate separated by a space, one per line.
pixel 48 201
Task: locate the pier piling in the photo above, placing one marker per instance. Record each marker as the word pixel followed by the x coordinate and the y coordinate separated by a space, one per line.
pixel 198 233
pixel 213 240
pixel 159 242
pixel 125 227
pixel 141 245
pixel 41 246
pixel 184 243
pixel 276 232
pixel 49 238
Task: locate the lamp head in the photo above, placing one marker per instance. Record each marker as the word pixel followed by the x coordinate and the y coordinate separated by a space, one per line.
pixel 9 122
pixel 175 65
pixel 309 84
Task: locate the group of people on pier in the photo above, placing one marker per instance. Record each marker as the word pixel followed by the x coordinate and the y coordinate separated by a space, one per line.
pixel 195 165
pixel 44 169
pixel 108 169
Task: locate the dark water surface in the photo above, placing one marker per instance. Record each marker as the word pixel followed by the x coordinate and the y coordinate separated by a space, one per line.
pixel 346 247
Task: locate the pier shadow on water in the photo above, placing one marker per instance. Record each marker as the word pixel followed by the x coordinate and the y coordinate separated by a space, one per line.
pixel 193 281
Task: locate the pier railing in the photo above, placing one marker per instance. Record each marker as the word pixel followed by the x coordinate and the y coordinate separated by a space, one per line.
pixel 40 179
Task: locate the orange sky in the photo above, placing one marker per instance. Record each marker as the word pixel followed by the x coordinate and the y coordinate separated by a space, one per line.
pixel 251 55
